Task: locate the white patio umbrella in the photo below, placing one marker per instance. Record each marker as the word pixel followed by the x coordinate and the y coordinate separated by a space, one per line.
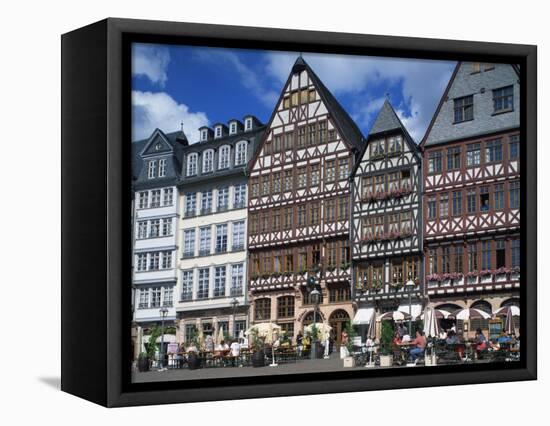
pixel 504 311
pixel 371 332
pixel 322 329
pixel 470 313
pixel 431 327
pixel 439 314
pixel 263 329
pixel 219 336
pixel 394 315
pixel 509 323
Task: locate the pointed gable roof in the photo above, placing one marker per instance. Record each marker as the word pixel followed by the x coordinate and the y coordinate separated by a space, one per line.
pixel 350 131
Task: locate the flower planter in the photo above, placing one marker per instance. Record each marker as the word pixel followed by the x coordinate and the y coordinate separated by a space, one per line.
pixel 193 361
pixel 386 360
pixel 143 364
pixel 258 359
pixel 430 360
pixel 349 362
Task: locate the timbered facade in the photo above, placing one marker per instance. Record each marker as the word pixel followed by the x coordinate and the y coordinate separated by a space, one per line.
pixel 472 190
pixel 299 207
pixel 386 230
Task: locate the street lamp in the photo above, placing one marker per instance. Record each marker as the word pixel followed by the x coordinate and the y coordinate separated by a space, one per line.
pixel 314 297
pixel 234 303
pixel 163 312
pixel 409 285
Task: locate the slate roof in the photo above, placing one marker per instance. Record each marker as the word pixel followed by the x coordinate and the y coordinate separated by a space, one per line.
pixel 350 130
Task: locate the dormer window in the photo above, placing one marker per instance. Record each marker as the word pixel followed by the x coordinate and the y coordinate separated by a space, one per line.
pixel 240 153
pixel 218 131
pixel 232 128
pixel 192 164
pixel 204 135
pixel 248 123
pixel 223 159
pixel 151 169
pixel 208 161
pixel 162 168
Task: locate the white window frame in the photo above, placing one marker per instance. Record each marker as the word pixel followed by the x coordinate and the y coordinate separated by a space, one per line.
pixel 142 229
pixel 189 242
pixel 208 161
pixel 154 228
pixel 205 240
pixel 218 132
pixel 162 167
pixel 240 195
pixel 190 200
pixel 224 155
pixel 143 200
pixel 248 123
pixel 166 262
pixel 241 153
pixel 204 134
pixel 143 298
pixel 238 233
pixel 151 169
pixel 155 198
pixel 141 262
pixel 167 227
pixel 232 127
pixel 187 282
pixel 225 196
pixel 192 160
pixel 168 196
pixel 237 276
pixel 220 279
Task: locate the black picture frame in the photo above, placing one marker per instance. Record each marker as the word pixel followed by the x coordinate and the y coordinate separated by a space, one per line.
pixel 96 192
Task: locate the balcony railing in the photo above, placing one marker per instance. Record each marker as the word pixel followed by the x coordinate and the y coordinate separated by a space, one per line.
pixel 236 291
pixel 187 295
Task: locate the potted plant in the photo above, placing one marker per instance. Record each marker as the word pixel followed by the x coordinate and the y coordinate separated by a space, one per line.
pixel 258 354
pixel 349 361
pixel 143 362
pixel 386 345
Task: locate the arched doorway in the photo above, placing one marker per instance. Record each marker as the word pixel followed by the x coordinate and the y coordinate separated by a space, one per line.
pixel 447 324
pixel 339 321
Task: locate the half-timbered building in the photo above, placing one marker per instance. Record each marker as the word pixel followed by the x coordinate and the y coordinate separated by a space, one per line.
pixel 299 207
pixel 472 190
pixel 386 230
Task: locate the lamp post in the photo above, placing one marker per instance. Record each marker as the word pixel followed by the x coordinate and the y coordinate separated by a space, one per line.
pixel 163 312
pixel 314 295
pixel 410 286
pixel 234 303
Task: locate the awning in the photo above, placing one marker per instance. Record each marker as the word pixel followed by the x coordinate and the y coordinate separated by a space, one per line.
pixel 363 316
pixel 416 310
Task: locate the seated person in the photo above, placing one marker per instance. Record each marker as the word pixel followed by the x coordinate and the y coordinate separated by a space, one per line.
pixel 452 338
pixel 192 348
pixel 420 345
pixel 480 341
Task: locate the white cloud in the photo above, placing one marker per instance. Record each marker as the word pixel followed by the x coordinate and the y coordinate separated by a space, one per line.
pixel 422 83
pixel 150 61
pixel 248 78
pixel 160 110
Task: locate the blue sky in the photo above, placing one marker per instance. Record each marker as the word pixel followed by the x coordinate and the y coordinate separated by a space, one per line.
pixel 201 86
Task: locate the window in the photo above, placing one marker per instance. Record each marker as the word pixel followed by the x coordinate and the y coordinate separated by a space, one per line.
pixel 240 196
pixel 514 194
pixel 322 131
pixel 464 108
pixel 166 227
pixel 314 175
pixel 302 215
pixel 312 130
pixel 141 262
pixel 237 279
pixel 166 259
pixel 434 162
pixel 189 243
pixel 162 168
pixel 330 210
pixel 457 203
pixel 151 169
pixel 288 218
pixel 218 130
pixel 143 199
pixel 343 168
pixel 446 259
pixel 208 161
pixel 142 229
pixel 503 99
pixel 514 147
pixel 167 297
pixel 276 220
pixel 432 261
pixel 302 177
pixel 204 134
pixel 223 199
pixel 204 241
pixel 515 253
pixel 204 281
pixel 366 186
pixel 486 255
pixel 154 229
pixel 500 254
pixel 221 238
pixel 168 196
pixel 366 227
pixel 493 151
pixel 206 202
pixel 262 309
pixel 471 201
pixel 405 222
pixel 240 153
pixel 288 140
pixel 238 235
pixel 144 298
pixel 459 254
pixel 379 184
pixel 219 281
pixel 285 307
pixel 264 221
pixel 156 293
pixel 331 253
pixel 289 260
pixel 190 204
pixel 311 95
pixel 187 285
pixel 378 225
pixel 248 124
pixel 453 158
pixel 498 197
pixel 378 148
pixel 314 213
pixel 473 154
pixel 443 205
pixel 303 96
pixel 343 206
pixel 393 181
pixel 286 102
pixel 484 198
pixel 330 175
pixel 223 160
pixel 192 164
pixel 395 144
pixel 154 261
pixel 476 67
pixel 332 135
pixel 288 180
pixel 431 207
pixel 232 128
pixel 155 198
pixel 276 182
pixel 301 137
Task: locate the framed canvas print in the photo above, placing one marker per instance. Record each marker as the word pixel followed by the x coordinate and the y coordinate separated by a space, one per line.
pixel 253 212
